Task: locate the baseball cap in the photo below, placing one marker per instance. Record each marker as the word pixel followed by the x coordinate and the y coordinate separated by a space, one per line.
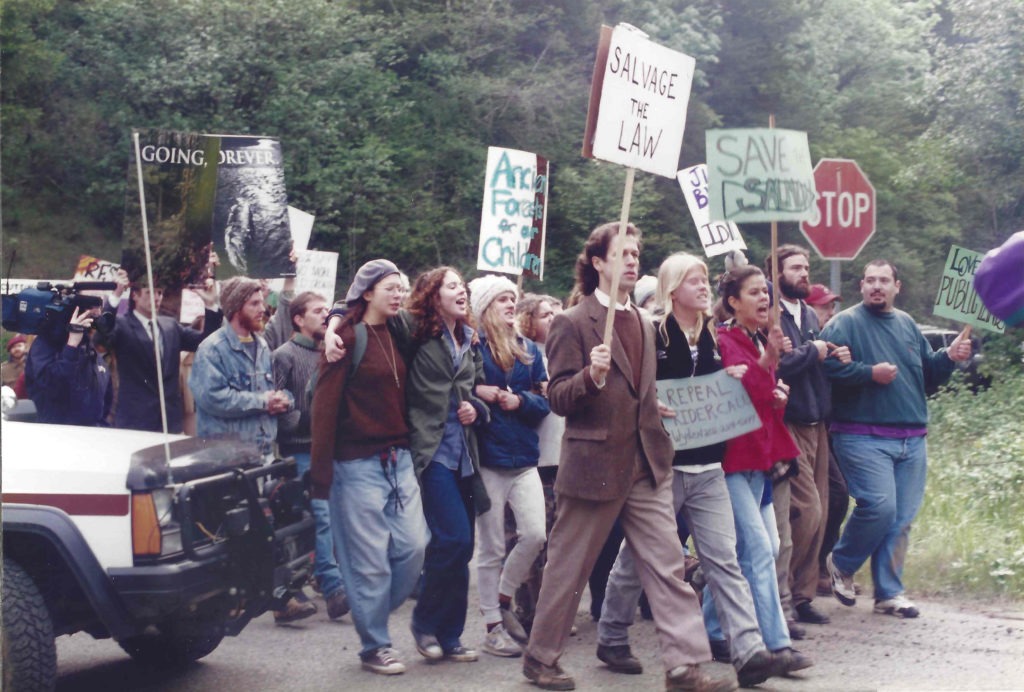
pixel 820 295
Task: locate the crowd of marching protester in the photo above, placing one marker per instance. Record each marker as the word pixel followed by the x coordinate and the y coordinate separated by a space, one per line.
pixel 442 420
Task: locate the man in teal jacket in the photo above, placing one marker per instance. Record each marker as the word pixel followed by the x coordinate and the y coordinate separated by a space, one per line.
pixel 880 420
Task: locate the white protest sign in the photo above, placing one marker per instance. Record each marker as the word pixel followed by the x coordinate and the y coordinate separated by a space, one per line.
pixel 316 271
pixel 760 174
pixel 514 213
pixel 94 269
pixel 641 112
pixel 709 409
pixel 717 237
pixel 301 224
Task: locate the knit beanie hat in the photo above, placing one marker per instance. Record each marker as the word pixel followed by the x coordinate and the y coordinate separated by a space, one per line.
pixel 367 277
pixel 15 340
pixel 644 289
pixel 234 292
pixel 484 289
pixel 999 281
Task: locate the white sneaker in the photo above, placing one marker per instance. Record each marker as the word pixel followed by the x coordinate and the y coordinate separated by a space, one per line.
pixel 842 584
pixel 499 643
pixel 897 605
pixel 384 661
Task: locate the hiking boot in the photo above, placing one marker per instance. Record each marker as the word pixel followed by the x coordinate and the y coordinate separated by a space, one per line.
pixel 789 660
pixel 512 626
pixel 619 659
pixel 757 669
pixel 294 610
pixel 427 646
pixel 547 677
pixel 461 654
pixel 499 643
pixel 805 612
pixel 337 604
pixel 842 584
pixel 897 605
pixel 383 661
pixel 720 650
pixel 691 678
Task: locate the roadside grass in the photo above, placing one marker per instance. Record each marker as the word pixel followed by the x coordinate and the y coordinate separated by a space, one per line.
pixel 968 539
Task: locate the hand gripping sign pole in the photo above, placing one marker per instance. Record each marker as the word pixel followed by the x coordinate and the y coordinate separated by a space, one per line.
pixel 152 298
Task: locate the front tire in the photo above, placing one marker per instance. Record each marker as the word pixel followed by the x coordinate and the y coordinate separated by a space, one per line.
pixel 29 649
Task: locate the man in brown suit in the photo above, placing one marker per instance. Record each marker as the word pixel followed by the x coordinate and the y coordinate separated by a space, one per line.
pixel 616 463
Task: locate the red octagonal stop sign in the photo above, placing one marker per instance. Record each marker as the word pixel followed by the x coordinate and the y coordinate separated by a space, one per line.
pixel 845 218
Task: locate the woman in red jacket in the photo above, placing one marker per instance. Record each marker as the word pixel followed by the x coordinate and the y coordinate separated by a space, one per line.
pixel 747 340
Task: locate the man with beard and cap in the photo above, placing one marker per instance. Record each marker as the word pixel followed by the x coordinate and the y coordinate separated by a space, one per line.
pixel 879 424
pixel 801 499
pixel 232 379
pixel 233 384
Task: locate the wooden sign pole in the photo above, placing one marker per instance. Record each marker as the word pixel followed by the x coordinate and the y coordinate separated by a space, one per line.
pixel 776 304
pixel 616 250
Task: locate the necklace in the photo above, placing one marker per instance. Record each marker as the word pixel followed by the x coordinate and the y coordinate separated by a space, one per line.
pixel 393 363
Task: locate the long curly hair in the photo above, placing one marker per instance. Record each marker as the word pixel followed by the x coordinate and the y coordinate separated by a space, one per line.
pixel 526 312
pixel 425 306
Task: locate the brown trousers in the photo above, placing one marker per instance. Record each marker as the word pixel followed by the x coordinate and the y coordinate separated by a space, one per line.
pixel 808 508
pixel 580 530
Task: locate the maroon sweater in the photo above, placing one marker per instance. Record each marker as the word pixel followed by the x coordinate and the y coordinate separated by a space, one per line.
pixel 354 419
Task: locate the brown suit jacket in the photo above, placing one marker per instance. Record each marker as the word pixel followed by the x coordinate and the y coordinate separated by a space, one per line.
pixel 605 429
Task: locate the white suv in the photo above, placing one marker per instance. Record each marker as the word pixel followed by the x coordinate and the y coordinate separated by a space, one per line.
pixel 101 534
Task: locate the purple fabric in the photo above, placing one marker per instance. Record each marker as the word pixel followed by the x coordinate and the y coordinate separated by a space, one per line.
pixel 999 280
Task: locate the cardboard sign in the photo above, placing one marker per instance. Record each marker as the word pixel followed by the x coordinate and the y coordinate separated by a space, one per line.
pixel 757 175
pixel 316 271
pixel 709 409
pixel 957 298
pixel 717 237
pixel 202 189
pixel 513 217
pixel 638 101
pixel 94 269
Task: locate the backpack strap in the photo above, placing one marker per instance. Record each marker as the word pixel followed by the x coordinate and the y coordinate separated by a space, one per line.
pixel 358 351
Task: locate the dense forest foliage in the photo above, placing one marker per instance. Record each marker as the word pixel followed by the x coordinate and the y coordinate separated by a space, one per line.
pixel 385 110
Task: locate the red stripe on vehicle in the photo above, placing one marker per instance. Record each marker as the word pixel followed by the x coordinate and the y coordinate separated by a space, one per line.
pixel 79 505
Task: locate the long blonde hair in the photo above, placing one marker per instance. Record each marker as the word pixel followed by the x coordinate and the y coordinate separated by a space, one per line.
pixel 671 274
pixel 502 339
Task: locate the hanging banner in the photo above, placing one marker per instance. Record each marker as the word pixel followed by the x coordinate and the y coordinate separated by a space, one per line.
pixel 638 99
pixel 223 190
pixel 957 298
pixel 513 216
pixel 709 409
pixel 760 174
pixel 716 237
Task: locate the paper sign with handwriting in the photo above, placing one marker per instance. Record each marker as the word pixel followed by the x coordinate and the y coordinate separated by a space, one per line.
pixel 709 409
pixel 717 237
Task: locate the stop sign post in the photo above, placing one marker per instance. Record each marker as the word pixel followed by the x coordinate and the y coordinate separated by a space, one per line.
pixel 845 218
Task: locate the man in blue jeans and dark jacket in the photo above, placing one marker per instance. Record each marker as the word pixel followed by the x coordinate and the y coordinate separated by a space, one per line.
pixel 880 420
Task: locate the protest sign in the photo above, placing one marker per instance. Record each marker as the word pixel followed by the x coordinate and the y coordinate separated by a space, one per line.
pixel 203 189
pixel 957 298
pixel 513 216
pixel 709 409
pixel 759 174
pixel 94 269
pixel 316 271
pixel 638 99
pixel 717 237
pixel 301 224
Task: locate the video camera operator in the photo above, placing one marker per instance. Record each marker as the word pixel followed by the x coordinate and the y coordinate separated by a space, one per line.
pixel 65 376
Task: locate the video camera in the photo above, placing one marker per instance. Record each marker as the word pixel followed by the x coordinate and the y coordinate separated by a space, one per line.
pixel 35 309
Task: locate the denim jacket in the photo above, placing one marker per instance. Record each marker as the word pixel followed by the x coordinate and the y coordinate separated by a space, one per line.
pixel 230 389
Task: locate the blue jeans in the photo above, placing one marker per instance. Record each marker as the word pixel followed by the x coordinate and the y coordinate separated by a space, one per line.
pixel 380 537
pixel 325 566
pixel 448 508
pixel 754 552
pixel 886 477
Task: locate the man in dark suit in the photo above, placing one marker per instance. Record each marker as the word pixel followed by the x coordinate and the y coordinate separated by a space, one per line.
pixel 616 463
pixel 138 397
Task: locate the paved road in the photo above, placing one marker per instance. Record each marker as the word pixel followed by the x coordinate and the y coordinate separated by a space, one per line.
pixel 947 648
